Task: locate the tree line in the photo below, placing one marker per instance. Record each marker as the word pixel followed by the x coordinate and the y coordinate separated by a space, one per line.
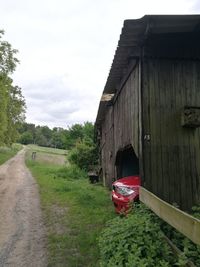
pixel 56 137
pixel 12 102
pixel 78 139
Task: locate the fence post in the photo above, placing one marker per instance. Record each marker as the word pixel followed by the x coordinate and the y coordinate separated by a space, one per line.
pixel 33 155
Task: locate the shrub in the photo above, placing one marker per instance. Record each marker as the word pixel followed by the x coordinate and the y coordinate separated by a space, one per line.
pixel 135 240
pixel 26 138
pixel 84 155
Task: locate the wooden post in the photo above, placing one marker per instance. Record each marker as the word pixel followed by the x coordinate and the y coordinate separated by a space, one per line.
pixel 33 155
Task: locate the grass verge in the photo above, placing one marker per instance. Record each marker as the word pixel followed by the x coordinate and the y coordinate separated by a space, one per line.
pixel 46 158
pixel 75 212
pixel 8 152
pixel 47 149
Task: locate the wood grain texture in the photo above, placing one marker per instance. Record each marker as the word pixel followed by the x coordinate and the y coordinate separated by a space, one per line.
pixel 172 155
pixel 120 127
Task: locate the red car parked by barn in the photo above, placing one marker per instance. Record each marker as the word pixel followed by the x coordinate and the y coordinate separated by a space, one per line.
pixel 124 192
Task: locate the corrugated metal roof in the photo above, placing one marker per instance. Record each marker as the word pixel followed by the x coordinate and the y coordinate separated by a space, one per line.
pixel 133 35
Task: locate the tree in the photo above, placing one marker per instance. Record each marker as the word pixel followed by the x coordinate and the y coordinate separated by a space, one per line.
pixel 40 139
pixel 85 152
pixel 3 107
pixel 24 126
pixel 84 155
pixel 12 103
pixel 15 114
pixel 26 138
pixel 88 130
pixel 8 61
pixel 58 138
pixel 46 132
pixel 78 132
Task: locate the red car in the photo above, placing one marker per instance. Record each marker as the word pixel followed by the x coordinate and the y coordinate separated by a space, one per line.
pixel 124 192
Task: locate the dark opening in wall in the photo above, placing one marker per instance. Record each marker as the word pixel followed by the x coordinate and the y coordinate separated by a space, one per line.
pixel 127 163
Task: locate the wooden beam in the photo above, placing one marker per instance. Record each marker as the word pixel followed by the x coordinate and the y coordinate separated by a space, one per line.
pixel 182 221
pixel 106 97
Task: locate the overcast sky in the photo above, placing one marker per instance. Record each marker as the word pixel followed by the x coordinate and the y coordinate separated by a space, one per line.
pixel 66 49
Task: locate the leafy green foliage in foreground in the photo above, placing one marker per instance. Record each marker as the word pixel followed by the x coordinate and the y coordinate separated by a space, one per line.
pixel 8 152
pixel 134 241
pixel 190 251
pixel 137 240
pixel 75 213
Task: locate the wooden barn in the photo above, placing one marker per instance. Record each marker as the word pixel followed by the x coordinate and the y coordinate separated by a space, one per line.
pixel 148 121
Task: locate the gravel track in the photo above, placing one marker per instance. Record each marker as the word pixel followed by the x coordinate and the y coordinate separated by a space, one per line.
pixel 22 232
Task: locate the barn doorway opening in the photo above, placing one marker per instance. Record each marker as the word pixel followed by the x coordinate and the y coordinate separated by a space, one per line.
pixel 127 163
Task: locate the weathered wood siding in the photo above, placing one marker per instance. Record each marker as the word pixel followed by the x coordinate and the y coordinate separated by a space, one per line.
pixel 172 155
pixel 120 127
pixel 107 148
pixel 126 114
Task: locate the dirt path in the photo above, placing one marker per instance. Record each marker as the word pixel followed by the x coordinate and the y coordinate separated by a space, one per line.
pixel 22 233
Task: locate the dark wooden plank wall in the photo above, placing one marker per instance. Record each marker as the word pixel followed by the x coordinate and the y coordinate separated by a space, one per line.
pixel 172 156
pixel 126 114
pixel 120 127
pixel 107 147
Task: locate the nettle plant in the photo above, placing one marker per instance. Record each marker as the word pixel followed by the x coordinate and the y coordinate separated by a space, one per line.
pixel 134 240
pixel 190 251
pixel 137 240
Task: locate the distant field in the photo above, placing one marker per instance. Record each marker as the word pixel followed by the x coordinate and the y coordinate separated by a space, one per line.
pixel 47 155
pixel 48 150
pixel 8 152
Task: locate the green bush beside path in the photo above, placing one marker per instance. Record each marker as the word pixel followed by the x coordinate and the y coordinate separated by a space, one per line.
pixel 8 152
